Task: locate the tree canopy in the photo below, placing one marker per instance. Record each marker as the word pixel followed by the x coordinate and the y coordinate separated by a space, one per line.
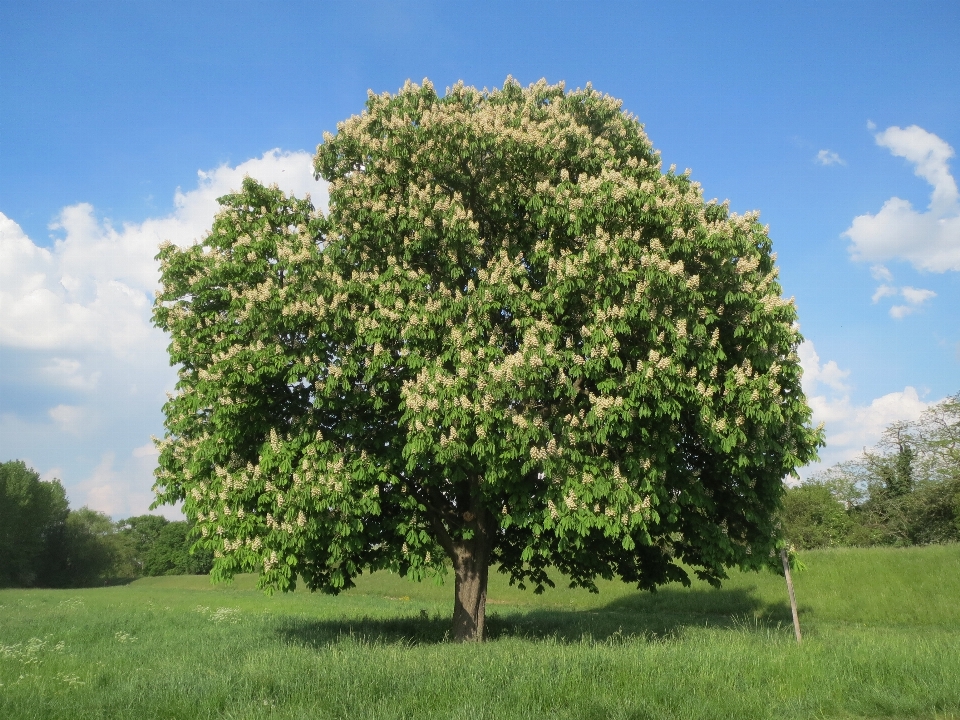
pixel 513 339
pixel 32 517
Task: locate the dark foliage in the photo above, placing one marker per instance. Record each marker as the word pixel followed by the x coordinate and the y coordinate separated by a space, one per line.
pixel 170 554
pixel 45 544
pixel 33 514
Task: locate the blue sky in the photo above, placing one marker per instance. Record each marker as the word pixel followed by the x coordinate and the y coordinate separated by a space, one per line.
pixel 827 117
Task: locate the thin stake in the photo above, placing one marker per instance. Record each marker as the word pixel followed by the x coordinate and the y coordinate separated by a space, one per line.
pixel 793 598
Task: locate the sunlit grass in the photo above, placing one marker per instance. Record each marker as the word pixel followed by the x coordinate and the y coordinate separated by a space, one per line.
pixel 881 639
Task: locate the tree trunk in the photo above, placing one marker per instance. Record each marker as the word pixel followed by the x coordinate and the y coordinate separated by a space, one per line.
pixel 470 556
pixel 470 603
pixel 471 564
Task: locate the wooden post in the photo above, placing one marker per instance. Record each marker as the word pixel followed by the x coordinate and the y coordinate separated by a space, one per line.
pixel 793 598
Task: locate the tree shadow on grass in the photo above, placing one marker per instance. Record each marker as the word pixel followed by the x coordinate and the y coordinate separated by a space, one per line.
pixel 663 614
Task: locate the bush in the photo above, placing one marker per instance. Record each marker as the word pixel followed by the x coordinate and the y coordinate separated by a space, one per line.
pixel 814 518
pixel 933 512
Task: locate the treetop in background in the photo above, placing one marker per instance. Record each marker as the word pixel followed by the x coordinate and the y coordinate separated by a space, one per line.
pixel 44 543
pixel 33 513
pixel 513 339
pixel 904 491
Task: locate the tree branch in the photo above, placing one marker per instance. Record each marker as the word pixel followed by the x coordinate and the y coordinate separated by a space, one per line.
pixel 436 516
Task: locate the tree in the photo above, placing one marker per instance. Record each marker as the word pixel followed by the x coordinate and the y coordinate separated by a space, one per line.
pixel 905 491
pixel 892 463
pixel 32 515
pixel 90 548
pixel 813 517
pixel 152 545
pixel 83 553
pixel 170 554
pixel 135 538
pixel 513 340
pixel 937 434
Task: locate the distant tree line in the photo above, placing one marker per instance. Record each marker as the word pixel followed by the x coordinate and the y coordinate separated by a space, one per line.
pixel 905 491
pixel 43 543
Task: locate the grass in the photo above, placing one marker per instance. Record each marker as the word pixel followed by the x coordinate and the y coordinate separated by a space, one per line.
pixel 881 639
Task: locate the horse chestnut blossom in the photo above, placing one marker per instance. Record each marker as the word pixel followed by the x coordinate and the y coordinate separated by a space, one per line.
pixel 513 341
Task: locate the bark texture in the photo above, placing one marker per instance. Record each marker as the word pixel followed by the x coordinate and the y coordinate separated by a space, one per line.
pixel 471 564
pixel 465 531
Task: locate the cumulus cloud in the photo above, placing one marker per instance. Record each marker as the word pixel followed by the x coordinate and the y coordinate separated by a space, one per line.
pixel 829 157
pixel 50 474
pixel 122 487
pixel 68 373
pixel 928 240
pixel 849 427
pixel 68 417
pixel 815 374
pixel 915 297
pixel 115 492
pixel 145 451
pixel 78 315
pixel 95 286
pixel 883 291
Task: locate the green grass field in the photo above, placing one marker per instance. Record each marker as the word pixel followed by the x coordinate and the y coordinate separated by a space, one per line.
pixel 881 639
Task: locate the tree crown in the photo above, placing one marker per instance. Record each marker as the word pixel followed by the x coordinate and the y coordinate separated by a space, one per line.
pixel 510 324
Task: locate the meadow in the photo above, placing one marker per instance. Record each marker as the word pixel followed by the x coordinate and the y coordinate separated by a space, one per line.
pixel 881 640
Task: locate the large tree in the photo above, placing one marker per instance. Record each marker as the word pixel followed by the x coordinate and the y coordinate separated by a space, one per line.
pixel 513 340
pixel 32 517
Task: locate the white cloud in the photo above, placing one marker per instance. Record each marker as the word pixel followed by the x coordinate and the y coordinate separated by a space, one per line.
pixel 122 491
pixel 815 374
pixel 68 373
pixel 95 287
pixel 76 317
pixel 928 240
pixel 68 417
pixel 882 292
pixel 849 427
pixel 53 473
pixel 146 451
pixel 929 155
pixel 111 490
pixel 916 296
pixel 829 157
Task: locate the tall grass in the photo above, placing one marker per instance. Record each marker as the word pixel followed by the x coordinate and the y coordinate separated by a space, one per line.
pixel 882 639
